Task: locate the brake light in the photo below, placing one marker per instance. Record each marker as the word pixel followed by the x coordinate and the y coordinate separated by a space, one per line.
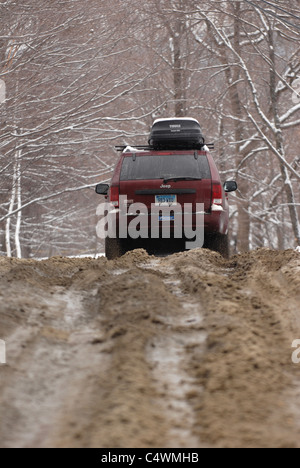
pixel 114 196
pixel 217 194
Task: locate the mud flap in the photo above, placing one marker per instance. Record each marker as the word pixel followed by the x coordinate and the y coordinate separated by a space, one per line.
pixel 113 248
pixel 218 243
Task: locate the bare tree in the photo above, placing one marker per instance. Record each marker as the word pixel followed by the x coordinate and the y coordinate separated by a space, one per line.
pixel 243 42
pixel 66 71
pixel 81 76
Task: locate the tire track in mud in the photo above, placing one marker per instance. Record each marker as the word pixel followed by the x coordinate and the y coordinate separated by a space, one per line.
pixel 251 318
pixel 184 351
pixel 169 354
pixel 49 343
pixel 141 400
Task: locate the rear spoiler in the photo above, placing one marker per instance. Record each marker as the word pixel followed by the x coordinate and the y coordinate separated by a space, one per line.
pixel 210 146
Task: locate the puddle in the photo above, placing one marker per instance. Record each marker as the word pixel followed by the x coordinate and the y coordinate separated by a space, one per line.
pixel 168 358
pixel 226 271
pixel 174 286
pixel 119 272
pixel 66 307
pixel 294 400
pixel 151 265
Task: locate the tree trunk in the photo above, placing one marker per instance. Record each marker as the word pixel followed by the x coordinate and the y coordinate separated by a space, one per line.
pixel 232 77
pixel 179 80
pixel 19 205
pixel 287 183
pixel 10 209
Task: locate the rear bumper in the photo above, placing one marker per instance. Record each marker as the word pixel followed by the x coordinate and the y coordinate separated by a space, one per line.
pixel 213 222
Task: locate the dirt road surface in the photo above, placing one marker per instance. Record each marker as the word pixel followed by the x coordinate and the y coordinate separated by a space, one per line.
pixel 185 351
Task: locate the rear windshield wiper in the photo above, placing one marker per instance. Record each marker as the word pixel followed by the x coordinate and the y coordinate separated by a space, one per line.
pixel 179 179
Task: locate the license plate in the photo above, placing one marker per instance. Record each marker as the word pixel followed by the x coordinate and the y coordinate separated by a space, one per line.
pixel 166 200
pixel 166 218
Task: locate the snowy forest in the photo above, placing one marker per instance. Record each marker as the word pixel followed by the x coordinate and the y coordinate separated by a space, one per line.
pixel 81 76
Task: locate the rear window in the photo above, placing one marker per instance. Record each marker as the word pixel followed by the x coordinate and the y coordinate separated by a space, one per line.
pixel 165 166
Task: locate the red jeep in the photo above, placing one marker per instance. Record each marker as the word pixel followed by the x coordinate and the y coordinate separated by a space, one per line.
pixel 149 180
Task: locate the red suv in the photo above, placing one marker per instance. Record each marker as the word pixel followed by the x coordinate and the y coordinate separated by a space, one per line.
pixel 148 181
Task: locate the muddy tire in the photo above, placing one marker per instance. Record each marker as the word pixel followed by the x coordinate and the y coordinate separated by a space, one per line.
pixel 219 243
pixel 113 248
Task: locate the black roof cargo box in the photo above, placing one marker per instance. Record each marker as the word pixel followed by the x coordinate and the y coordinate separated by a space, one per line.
pixel 176 133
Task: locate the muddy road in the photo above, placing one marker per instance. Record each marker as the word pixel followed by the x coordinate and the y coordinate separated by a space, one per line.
pixel 186 351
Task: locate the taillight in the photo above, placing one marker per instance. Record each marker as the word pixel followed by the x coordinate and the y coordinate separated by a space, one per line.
pixel 114 196
pixel 217 194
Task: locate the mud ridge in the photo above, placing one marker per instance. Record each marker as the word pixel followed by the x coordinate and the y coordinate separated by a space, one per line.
pixel 184 351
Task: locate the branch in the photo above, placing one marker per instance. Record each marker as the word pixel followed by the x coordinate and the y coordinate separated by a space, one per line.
pixel 47 197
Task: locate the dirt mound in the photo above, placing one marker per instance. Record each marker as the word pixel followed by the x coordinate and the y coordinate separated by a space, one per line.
pixel 184 351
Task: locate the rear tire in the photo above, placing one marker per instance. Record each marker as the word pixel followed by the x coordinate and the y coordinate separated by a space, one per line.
pixel 113 248
pixel 219 243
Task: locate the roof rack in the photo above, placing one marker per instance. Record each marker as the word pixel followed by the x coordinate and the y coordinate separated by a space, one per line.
pixel 121 148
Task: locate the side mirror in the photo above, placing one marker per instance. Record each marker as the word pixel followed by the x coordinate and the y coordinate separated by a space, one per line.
pixel 102 189
pixel 230 186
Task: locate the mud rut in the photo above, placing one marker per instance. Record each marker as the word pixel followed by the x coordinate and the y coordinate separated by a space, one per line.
pixel 184 351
